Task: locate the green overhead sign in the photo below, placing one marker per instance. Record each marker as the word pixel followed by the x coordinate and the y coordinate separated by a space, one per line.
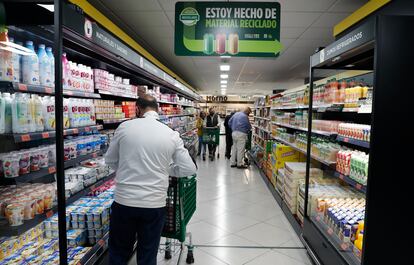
pixel 227 28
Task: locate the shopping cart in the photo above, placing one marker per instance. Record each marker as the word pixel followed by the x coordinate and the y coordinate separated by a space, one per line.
pixel 211 136
pixel 181 205
pixel 248 148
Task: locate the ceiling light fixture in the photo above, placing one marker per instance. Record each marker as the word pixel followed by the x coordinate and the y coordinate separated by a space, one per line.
pixel 223 86
pixel 223 82
pixel 349 65
pixel 224 76
pixel 225 67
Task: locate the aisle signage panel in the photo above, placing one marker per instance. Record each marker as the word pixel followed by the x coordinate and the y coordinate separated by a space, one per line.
pixel 356 38
pixel 92 31
pixel 227 28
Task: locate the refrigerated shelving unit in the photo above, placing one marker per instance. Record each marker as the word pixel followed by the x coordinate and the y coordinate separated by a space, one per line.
pixel 64 31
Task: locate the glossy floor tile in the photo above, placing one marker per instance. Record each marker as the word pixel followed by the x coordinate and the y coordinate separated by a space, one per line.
pixel 236 219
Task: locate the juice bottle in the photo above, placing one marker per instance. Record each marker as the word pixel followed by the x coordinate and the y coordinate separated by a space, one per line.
pixel 6 64
pixel 30 66
pixel 52 65
pixel 16 65
pixel 19 114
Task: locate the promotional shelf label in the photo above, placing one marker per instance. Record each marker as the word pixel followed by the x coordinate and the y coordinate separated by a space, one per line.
pixel 227 28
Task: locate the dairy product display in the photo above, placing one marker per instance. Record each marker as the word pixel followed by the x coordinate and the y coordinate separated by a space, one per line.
pixel 106 110
pixel 355 131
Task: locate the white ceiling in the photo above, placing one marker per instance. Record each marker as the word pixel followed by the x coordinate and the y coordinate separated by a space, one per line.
pixel 306 25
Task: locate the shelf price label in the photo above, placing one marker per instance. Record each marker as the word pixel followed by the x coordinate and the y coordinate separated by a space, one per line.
pixel 358 186
pixel 48 90
pixel 341 176
pixel 330 231
pixel 52 170
pixel 344 246
pixel 75 131
pixel 318 218
pixel 101 242
pixel 95 155
pixel 87 129
pixel 22 87
pixel 49 214
pixel 346 140
pixel 45 135
pixel 25 137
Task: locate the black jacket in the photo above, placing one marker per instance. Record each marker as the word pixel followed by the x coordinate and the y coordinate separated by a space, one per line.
pixel 212 121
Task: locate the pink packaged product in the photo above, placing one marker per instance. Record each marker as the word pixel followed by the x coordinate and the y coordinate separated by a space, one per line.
pixel 355 131
pixel 325 125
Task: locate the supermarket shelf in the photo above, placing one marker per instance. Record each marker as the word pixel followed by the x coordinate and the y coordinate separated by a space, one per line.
pixel 292 220
pixel 11 87
pixel 116 94
pixel 96 252
pixel 352 141
pixel 80 94
pixel 328 163
pixel 262 107
pixel 262 118
pixel 290 107
pixel 114 121
pixel 188 132
pixel 303 129
pixel 27 137
pixel 175 115
pixel 260 128
pixel 7 230
pixel 343 249
pixel 176 103
pixel 75 161
pixel 87 190
pixel 351 182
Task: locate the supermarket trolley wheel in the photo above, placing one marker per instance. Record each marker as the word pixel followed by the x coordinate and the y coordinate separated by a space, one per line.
pixel 190 257
pixel 168 254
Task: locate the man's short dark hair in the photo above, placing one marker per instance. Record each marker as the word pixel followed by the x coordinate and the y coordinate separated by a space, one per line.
pixel 147 101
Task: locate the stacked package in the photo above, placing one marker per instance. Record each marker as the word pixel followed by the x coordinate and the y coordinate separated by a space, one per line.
pixel 280 180
pixel 113 84
pixel 129 109
pixel 76 179
pixel 295 173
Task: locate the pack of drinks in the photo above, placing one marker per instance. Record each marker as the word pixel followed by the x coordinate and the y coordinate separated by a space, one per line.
pixel 345 216
pixel 76 76
pixel 355 131
pixel 353 164
pixel 23 64
pixel 27 113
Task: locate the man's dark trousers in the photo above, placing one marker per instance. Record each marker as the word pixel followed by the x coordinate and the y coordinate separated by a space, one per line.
pixel 130 224
pixel 229 143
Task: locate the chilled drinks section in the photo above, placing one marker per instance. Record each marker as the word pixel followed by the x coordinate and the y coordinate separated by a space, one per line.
pixel 95 102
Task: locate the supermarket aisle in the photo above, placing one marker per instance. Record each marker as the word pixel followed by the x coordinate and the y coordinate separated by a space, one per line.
pixel 235 208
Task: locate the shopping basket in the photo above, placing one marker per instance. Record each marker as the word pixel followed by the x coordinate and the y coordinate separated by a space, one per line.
pixel 181 205
pixel 211 136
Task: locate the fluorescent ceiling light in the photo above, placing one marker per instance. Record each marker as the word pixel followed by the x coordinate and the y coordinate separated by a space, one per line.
pixel 224 67
pixel 224 76
pixel 223 86
pixel 51 8
pixel 223 82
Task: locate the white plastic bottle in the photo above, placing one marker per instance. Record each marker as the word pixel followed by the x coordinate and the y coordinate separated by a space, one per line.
pixel 49 113
pixel 30 66
pixel 19 114
pixel 37 113
pixel 31 120
pixel 16 65
pixel 66 121
pixel 52 65
pixel 44 66
pixel 73 113
pixel 8 113
pixel 2 114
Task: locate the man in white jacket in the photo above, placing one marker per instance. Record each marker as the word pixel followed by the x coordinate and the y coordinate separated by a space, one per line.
pixel 144 152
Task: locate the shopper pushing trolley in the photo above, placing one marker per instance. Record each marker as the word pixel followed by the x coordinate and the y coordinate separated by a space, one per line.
pixel 145 152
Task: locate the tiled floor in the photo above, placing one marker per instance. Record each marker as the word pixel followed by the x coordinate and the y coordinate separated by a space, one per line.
pixel 238 221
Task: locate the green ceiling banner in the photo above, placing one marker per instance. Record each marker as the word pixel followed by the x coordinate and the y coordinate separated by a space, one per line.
pixel 249 29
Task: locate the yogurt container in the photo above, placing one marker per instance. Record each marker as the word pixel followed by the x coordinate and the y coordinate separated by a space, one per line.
pixel 24 162
pixel 15 214
pixel 11 165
